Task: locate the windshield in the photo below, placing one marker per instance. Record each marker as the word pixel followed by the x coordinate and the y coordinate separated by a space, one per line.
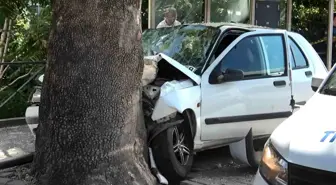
pixel 188 44
pixel 329 88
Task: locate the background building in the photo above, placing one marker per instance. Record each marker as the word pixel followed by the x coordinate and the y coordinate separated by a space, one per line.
pixel 196 11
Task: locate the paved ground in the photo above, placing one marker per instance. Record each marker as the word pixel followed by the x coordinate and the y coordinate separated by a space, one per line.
pixel 214 167
pixel 15 141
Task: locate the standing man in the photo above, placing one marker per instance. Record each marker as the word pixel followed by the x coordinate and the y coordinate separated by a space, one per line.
pixel 169 19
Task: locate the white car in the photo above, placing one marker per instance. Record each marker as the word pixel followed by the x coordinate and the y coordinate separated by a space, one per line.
pixel 219 84
pixel 302 149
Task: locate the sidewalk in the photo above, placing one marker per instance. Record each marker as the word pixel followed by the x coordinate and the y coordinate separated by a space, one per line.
pixel 15 140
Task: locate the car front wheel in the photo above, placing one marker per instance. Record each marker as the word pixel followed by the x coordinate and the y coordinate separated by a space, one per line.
pixel 173 152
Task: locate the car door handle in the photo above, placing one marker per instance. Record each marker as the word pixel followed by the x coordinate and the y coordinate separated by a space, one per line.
pixel 308 73
pixel 279 83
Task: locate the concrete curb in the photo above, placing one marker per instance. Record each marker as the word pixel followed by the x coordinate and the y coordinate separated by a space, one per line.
pixel 12 122
pixel 17 160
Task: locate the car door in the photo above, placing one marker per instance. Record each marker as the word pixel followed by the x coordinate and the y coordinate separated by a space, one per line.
pixel 260 100
pixel 302 73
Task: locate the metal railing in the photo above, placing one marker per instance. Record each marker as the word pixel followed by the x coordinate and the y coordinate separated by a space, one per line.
pixel 10 91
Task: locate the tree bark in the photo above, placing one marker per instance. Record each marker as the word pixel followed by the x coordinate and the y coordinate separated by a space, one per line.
pixel 91 128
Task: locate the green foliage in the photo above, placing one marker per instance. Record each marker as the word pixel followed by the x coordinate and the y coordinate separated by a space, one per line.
pixel 144 14
pixel 29 38
pixel 310 18
pixel 12 8
pixel 17 105
pixel 31 35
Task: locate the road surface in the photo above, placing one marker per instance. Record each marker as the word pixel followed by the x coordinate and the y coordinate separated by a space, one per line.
pixel 216 167
pixel 213 167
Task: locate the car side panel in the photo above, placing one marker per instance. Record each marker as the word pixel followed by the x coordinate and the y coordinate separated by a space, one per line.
pixel 179 101
pixel 302 90
pixel 247 100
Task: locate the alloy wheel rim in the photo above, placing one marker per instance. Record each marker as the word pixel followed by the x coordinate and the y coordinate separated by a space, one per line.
pixel 181 151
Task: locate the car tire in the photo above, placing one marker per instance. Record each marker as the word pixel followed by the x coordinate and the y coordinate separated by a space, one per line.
pixel 168 147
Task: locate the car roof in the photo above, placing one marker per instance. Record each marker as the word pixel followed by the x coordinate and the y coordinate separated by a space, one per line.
pixel 234 25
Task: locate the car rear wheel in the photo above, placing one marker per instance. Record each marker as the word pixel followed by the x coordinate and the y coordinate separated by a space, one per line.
pixel 173 152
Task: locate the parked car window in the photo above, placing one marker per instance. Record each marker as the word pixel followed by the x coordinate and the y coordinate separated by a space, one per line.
pixel 246 56
pixel 275 54
pixel 292 61
pixel 256 56
pixel 298 58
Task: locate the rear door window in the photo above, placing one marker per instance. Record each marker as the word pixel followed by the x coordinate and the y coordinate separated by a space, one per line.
pixel 298 61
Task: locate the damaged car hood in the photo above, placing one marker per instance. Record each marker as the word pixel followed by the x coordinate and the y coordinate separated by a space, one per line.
pixel 194 77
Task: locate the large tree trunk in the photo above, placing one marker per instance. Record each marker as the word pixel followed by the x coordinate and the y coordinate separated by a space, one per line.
pixel 91 127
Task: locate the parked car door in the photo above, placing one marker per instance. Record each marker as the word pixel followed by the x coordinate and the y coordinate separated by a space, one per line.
pixel 302 72
pixel 260 100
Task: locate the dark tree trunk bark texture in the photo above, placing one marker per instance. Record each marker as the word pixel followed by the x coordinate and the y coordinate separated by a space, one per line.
pixel 91 127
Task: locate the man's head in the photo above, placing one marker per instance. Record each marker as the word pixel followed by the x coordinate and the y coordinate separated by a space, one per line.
pixel 335 19
pixel 170 15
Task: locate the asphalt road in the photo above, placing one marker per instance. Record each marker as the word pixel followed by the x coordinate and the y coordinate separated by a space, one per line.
pixel 214 167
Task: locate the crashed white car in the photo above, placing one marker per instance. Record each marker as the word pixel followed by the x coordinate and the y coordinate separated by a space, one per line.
pixel 211 85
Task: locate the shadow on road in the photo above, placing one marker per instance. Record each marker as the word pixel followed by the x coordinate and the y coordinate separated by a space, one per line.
pixel 217 167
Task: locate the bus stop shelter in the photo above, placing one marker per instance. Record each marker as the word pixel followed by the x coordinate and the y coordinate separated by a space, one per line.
pixel 241 11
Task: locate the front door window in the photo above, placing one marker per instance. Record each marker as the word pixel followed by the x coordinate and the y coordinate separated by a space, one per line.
pixel 256 56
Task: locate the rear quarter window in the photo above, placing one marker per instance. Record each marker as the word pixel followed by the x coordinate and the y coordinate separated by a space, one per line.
pixel 313 58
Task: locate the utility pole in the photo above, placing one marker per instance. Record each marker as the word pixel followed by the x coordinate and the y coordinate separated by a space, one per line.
pixel 151 14
pixel 289 15
pixel 330 33
pixel 252 11
pixel 207 10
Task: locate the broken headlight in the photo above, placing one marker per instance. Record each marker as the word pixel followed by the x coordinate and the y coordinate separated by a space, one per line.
pixel 273 167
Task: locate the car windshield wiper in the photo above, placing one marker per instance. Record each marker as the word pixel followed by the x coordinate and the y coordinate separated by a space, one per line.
pixel 330 91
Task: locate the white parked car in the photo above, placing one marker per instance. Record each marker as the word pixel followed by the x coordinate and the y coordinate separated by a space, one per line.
pixel 219 84
pixel 302 149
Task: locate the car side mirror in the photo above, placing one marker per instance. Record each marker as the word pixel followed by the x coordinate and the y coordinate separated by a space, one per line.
pixel 232 75
pixel 316 82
